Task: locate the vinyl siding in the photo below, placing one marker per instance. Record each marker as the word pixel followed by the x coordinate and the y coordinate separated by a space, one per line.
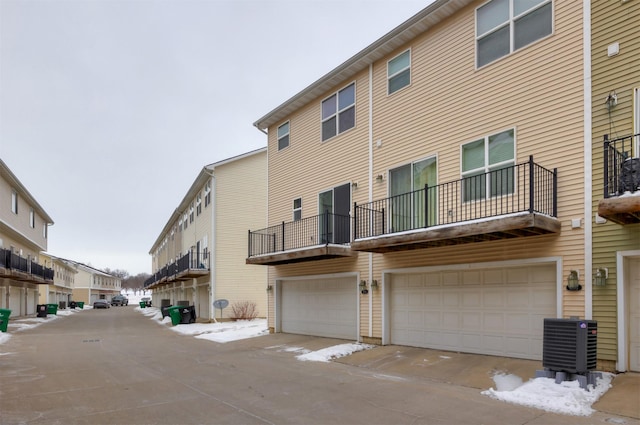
pixel 240 203
pixel 537 90
pixel 621 74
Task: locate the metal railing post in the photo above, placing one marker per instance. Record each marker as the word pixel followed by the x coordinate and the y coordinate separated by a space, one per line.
pixel 426 205
pixel 606 165
pixel 555 192
pixel 282 236
pixel 531 184
pixel 355 221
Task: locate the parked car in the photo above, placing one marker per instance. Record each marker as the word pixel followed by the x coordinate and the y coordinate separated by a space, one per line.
pixel 119 300
pixel 101 304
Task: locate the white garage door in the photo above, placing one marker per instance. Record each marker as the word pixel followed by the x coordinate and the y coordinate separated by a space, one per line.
pixel 493 311
pixel 320 307
pixel 634 315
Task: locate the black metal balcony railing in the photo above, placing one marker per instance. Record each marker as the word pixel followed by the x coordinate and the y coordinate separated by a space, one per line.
pixel 525 187
pixel 322 229
pixel 621 165
pixel 193 260
pixel 13 261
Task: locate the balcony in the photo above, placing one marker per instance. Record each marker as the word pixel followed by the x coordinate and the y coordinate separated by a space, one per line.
pixel 621 203
pixel 512 202
pixel 13 266
pixel 314 238
pixel 192 265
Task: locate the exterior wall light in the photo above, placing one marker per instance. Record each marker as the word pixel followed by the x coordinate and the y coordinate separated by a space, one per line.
pixel 363 287
pixel 573 281
pixel 600 276
pixel 269 288
pixel 374 284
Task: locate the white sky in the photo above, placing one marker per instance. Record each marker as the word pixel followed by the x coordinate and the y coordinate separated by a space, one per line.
pixel 110 108
pixel 541 393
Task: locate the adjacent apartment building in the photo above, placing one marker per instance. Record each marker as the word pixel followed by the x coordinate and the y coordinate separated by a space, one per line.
pixel 434 189
pixel 23 237
pixel 199 255
pixel 91 284
pixel 615 58
pixel 61 289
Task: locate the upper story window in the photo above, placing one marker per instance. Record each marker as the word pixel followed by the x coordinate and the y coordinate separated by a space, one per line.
pixel 185 220
pixel 488 162
pixel 339 112
pixel 504 26
pixel 14 202
pixel 283 136
pixel 199 204
pixel 191 212
pixel 32 218
pixel 44 230
pixel 297 209
pixel 207 194
pixel 399 72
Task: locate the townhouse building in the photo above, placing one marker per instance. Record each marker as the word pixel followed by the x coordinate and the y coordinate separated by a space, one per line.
pixel 91 284
pixel 199 255
pixel 61 289
pixel 430 190
pixel 23 237
pixel 615 58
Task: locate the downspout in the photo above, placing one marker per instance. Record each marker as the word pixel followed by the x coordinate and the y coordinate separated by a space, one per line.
pixel 588 167
pixel 370 192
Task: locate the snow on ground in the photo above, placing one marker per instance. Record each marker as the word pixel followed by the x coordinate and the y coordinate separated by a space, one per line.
pixel 540 393
pixel 543 393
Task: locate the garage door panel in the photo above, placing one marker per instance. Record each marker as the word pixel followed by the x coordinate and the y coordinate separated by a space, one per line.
pixel 320 307
pixel 492 311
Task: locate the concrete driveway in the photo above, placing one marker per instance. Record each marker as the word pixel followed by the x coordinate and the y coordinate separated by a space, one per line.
pixel 116 366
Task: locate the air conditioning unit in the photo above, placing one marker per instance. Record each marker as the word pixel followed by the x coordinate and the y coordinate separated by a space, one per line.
pixel 570 345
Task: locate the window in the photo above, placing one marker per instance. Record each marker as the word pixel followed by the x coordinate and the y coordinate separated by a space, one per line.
pixel 32 219
pixel 399 72
pixel 488 162
pixel 207 194
pixel 191 212
pixel 339 112
pixel 199 204
pixel 334 207
pixel 297 209
pixel 504 26
pixel 14 202
pixel 283 136
pixel 44 230
pixel 185 220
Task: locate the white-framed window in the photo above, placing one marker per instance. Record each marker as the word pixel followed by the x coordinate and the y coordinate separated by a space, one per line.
pixel 297 209
pixel 14 201
pixel 339 112
pixel 207 194
pixel 32 218
pixel 399 72
pixel 185 220
pixel 504 26
pixel 44 230
pixel 199 204
pixel 488 162
pixel 191 209
pixel 283 136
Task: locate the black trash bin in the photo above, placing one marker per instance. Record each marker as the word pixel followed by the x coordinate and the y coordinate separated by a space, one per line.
pixel 187 314
pixel 72 304
pixel 42 310
pixel 165 310
pixel 62 305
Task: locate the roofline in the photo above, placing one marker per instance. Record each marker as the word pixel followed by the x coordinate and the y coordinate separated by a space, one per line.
pixel 431 15
pixel 205 173
pixel 4 170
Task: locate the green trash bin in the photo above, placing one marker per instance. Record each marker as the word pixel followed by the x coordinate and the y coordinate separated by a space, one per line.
pixel 80 304
pixel 52 309
pixel 4 319
pixel 143 304
pixel 174 313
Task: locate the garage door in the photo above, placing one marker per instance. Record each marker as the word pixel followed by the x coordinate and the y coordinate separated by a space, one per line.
pixel 492 311
pixel 320 307
pixel 634 315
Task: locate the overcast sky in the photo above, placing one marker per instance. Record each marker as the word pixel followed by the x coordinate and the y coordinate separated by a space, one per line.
pixel 109 109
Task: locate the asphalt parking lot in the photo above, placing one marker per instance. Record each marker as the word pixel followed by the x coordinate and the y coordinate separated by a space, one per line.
pixel 117 366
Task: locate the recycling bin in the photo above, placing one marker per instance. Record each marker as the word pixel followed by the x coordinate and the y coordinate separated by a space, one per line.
pixel 143 304
pixel 4 319
pixel 41 309
pixel 52 309
pixel 174 313
pixel 80 305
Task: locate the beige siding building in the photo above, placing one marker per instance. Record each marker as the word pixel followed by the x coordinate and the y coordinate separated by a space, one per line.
pixel 91 284
pixel 615 55
pixel 61 290
pixel 23 237
pixel 429 191
pixel 199 256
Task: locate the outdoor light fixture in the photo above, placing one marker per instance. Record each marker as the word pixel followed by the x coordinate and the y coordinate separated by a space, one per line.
pixel 600 276
pixel 374 284
pixel 379 177
pixel 363 287
pixel 573 281
pixel 269 288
